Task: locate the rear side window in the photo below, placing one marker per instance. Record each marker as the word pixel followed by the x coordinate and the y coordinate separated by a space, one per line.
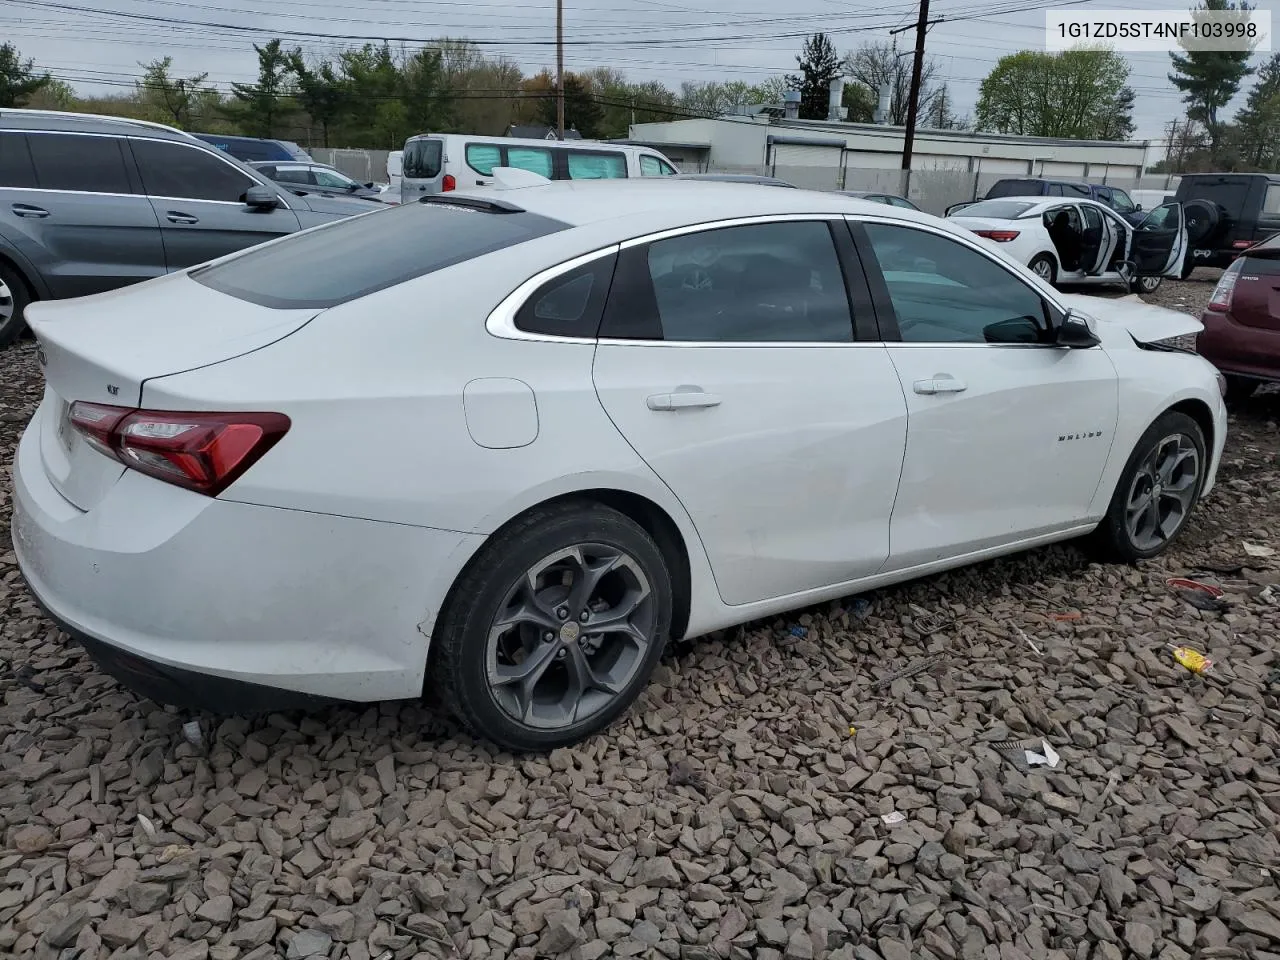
pixel 361 255
pixel 483 157
pixel 15 162
pixel 188 173
pixel 1075 190
pixel 571 304
pixel 1017 188
pixel 421 160
pixel 534 159
pixel 88 164
pixel 596 166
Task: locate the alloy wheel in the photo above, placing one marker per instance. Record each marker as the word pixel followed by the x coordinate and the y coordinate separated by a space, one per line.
pixel 1162 492
pixel 7 305
pixel 570 636
pixel 1148 284
pixel 1043 269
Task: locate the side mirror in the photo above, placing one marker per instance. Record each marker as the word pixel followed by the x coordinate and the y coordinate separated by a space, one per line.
pixel 1137 208
pixel 1074 332
pixel 370 184
pixel 260 197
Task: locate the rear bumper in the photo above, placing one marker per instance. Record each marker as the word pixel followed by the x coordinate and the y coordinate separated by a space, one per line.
pixel 214 603
pixel 1237 349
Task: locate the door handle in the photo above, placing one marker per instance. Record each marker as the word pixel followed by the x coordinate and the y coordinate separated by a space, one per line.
pixel 173 216
pixel 940 385
pixel 682 400
pixel 27 210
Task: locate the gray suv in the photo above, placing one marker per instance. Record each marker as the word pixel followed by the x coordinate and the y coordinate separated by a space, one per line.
pixel 91 203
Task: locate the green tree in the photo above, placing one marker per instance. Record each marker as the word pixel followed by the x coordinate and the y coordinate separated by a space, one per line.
pixel 54 95
pixel 1258 124
pixel 1209 79
pixel 425 92
pixel 1118 123
pixel 320 92
pixel 819 65
pixel 18 77
pixel 485 90
pixel 260 108
pixel 582 111
pixel 1075 93
pixel 175 101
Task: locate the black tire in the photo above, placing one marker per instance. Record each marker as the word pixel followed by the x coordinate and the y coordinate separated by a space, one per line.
pixel 1113 536
pixel 1188 266
pixel 460 658
pixel 1240 388
pixel 14 297
pixel 1202 218
pixel 1145 286
pixel 1044 262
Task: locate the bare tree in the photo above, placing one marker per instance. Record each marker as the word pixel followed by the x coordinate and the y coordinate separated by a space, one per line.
pixel 873 64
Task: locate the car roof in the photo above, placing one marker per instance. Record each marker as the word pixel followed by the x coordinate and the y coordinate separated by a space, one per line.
pixel 18 118
pixel 670 202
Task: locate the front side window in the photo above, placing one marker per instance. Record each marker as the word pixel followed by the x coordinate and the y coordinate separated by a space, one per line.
pixel 188 173
pixel 943 291
pixel 654 167
pixel 596 166
pixel 534 159
pixel 1092 217
pixel 331 178
pixel 88 164
pixel 1121 203
pixel 776 282
pixel 358 256
pixel 1270 203
pixel 1075 190
pixel 483 157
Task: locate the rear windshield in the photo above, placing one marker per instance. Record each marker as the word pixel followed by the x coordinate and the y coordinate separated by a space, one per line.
pixel 996 209
pixel 1016 188
pixel 1230 192
pixel 356 257
pixel 421 159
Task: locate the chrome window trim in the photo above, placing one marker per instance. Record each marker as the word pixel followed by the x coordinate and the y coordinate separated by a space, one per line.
pixel 501 321
pixel 221 157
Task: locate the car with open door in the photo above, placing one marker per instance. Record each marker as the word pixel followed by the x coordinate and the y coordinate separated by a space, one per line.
pixel 1082 241
pixel 660 415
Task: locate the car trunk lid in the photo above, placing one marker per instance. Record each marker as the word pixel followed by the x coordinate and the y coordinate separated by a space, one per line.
pixel 102 349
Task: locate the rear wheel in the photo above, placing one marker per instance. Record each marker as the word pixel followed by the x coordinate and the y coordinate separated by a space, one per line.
pixel 554 629
pixel 1158 489
pixel 13 302
pixel 1042 266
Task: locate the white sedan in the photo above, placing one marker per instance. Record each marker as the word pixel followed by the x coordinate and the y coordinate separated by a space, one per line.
pixel 509 445
pixel 1082 241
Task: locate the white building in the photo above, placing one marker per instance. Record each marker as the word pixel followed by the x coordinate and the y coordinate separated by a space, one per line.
pixel 946 165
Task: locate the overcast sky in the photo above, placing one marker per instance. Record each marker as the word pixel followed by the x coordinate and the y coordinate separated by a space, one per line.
pixel 668 40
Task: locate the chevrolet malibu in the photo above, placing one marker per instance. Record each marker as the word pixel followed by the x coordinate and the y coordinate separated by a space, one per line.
pixel 508 445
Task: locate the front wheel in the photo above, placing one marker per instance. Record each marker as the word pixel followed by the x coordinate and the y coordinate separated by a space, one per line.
pixel 1158 489
pixel 1042 266
pixel 554 629
pixel 13 302
pixel 1145 285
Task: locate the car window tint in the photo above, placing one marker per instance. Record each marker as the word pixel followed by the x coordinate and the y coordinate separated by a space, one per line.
pixel 286 175
pixel 67 162
pixel 16 169
pixel 1054 190
pixel 1121 202
pixel 1092 216
pixel 188 173
pixel 355 257
pixel 483 157
pixel 331 178
pixel 571 304
pixel 534 159
pixel 421 159
pixel 1075 190
pixel 596 166
pixel 943 291
pixel 1163 217
pixel 764 282
pixel 901 202
pixel 1270 203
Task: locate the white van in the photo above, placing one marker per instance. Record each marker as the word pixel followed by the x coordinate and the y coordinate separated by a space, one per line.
pixel 435 163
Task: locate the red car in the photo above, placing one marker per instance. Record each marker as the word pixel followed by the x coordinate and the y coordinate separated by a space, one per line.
pixel 1242 322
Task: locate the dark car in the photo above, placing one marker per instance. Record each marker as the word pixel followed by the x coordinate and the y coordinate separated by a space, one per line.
pixel 316 178
pixel 1115 198
pixel 1227 213
pixel 892 199
pixel 250 149
pixel 1241 334
pixel 734 178
pixel 93 203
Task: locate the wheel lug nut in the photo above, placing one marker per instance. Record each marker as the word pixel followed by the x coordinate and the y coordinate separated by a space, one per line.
pixel 563 613
pixel 548 637
pixel 586 615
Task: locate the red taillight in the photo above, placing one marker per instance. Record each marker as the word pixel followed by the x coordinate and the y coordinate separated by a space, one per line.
pixel 999 236
pixel 450 182
pixel 204 452
pixel 1220 299
pixel 1242 244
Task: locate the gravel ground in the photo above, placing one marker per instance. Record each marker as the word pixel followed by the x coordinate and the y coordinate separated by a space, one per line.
pixel 831 785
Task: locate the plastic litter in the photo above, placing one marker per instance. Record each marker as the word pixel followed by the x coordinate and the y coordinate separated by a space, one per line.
pixel 894 817
pixel 1030 643
pixel 1048 757
pixel 193 734
pixel 1193 660
pixel 1069 615
pixel 1257 549
pixel 1185 583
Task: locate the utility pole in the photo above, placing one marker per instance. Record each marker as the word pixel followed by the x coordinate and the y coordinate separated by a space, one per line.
pixel 913 105
pixel 560 68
